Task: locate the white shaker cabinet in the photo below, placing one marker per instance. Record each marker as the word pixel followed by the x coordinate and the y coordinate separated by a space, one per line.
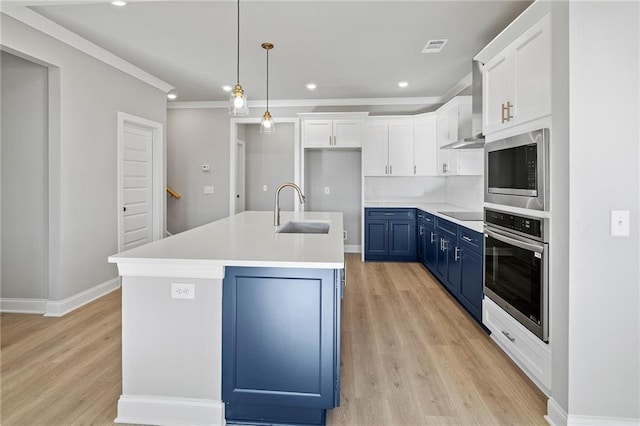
pixel 425 144
pixel 387 148
pixel 517 81
pixel 324 130
pixel 454 122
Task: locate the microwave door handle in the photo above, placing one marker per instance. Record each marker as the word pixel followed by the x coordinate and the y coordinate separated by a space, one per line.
pixel 538 248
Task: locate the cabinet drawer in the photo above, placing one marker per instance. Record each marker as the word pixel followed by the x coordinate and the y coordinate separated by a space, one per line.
pixel 390 213
pixel 470 239
pixel 448 228
pixel 426 217
pixel 531 354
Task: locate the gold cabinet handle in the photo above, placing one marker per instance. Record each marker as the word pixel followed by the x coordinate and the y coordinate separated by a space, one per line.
pixel 506 112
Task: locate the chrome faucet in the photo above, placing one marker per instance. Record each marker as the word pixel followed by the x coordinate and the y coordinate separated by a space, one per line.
pixel 276 208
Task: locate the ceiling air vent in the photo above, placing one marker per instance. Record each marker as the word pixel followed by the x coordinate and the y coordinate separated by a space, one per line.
pixel 434 46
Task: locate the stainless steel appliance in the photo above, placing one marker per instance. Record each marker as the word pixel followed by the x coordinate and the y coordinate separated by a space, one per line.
pixel 517 171
pixel 516 264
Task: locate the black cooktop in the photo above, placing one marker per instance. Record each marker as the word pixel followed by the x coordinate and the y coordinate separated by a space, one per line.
pixel 465 215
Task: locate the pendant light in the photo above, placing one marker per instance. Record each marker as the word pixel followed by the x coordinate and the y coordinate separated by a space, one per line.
pixel 267 125
pixel 238 100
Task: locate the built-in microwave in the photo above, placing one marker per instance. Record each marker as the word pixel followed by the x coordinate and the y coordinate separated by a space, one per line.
pixel 517 171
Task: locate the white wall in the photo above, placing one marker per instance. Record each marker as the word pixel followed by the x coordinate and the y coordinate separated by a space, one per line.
pixel 24 178
pixel 424 189
pixel 465 191
pixel 604 327
pixel 86 98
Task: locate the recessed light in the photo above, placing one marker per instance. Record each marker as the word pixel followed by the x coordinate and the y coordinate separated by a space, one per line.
pixel 119 3
pixel 311 86
pixel 227 88
pixel 403 84
pixel 172 96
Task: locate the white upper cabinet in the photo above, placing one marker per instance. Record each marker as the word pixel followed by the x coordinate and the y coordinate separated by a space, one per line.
pixel 387 149
pixel 454 122
pixel 322 131
pixel 425 145
pixel 517 81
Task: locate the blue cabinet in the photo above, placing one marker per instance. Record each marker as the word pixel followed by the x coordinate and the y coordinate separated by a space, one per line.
pixel 390 234
pixel 280 344
pixel 453 254
pixel 470 287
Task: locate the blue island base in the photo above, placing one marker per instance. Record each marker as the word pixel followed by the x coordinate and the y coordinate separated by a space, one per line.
pixel 254 414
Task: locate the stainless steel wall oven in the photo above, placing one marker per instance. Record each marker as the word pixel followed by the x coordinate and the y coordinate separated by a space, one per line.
pixel 516 263
pixel 517 171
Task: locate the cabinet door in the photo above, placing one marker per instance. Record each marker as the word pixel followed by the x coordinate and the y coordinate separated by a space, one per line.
pixel 442 258
pixel 425 146
pixel 402 239
pixel 495 91
pixel 431 247
pixel 532 73
pixel 317 133
pixel 275 322
pixel 376 237
pixel 375 149
pixel 470 291
pixel 401 148
pixel 447 158
pixel 453 268
pixel 347 133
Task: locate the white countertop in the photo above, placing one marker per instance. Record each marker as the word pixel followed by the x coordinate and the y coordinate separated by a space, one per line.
pixel 433 208
pixel 246 239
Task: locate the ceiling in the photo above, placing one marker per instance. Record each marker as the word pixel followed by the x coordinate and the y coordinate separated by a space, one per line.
pixel 350 49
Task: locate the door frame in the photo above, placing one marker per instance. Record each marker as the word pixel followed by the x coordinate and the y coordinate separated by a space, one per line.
pixel 158 177
pixel 243 144
pixel 233 135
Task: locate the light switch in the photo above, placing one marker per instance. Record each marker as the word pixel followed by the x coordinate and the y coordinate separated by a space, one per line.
pixel 264 188
pixel 619 223
pixel 327 190
pixel 205 168
pixel 208 189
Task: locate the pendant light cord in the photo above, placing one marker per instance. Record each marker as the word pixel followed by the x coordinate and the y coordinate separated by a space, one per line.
pixel 267 79
pixel 238 48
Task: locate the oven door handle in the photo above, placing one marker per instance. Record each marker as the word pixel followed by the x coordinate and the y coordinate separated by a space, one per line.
pixel 515 241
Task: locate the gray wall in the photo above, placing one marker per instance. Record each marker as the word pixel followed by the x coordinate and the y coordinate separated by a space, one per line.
pixel 340 171
pixel 196 137
pixel 24 178
pixel 604 290
pixel 90 93
pixel 269 161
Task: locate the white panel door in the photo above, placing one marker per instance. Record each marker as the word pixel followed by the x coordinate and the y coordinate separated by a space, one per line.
pixel 136 186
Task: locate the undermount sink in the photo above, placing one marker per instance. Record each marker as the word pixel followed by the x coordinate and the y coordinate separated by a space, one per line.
pixel 304 227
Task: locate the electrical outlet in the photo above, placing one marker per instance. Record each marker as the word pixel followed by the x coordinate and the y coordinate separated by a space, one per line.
pixel 208 189
pixel 327 190
pixel 183 291
pixel 344 235
pixel 264 188
pixel 619 223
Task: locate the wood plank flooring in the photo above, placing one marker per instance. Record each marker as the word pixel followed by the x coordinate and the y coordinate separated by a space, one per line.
pixel 410 356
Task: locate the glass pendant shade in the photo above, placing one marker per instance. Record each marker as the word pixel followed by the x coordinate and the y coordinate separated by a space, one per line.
pixel 267 126
pixel 238 105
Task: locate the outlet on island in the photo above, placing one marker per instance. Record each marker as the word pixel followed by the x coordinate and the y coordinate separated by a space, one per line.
pixel 183 291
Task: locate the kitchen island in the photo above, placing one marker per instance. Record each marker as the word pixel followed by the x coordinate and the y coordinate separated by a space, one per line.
pixel 268 352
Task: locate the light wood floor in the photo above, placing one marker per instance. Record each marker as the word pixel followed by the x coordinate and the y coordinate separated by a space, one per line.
pixel 410 356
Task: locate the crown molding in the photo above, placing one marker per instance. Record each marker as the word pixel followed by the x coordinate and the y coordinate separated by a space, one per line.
pixel 50 28
pixel 283 103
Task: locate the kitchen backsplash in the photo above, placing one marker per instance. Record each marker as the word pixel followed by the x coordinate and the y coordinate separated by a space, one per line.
pixel 410 189
pixel 465 191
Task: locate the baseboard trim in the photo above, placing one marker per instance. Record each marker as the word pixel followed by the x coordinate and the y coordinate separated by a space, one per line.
pixel 556 416
pixel 22 306
pixel 165 410
pixel 63 307
pixel 349 248
pixel 601 421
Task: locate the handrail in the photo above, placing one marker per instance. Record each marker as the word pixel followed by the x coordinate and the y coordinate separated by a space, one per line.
pixel 173 193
